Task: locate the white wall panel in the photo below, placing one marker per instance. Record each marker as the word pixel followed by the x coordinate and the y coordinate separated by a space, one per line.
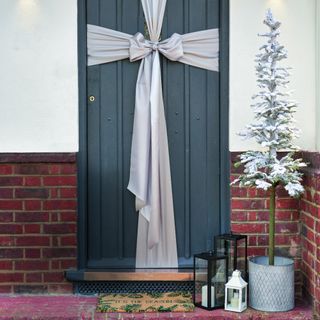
pixel 38 83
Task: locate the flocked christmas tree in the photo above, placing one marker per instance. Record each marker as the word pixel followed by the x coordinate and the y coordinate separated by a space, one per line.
pixel 273 129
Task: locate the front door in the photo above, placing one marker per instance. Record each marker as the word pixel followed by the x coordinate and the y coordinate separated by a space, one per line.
pixel 195 108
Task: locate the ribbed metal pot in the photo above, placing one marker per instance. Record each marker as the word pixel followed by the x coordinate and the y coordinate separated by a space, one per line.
pixel 271 288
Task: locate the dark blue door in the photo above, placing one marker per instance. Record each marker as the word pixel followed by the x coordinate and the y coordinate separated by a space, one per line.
pixel 195 113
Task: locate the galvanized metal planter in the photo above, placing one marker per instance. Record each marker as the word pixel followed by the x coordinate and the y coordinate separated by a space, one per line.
pixel 271 288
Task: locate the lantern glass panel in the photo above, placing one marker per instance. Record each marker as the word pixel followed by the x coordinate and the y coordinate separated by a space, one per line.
pixel 201 281
pixel 234 246
pixel 210 277
pixel 233 298
pixel 218 280
pixel 244 296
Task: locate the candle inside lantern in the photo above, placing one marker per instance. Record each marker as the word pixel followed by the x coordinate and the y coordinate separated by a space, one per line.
pixel 235 300
pixel 204 296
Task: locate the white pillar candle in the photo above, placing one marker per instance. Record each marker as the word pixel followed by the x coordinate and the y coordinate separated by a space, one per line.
pixel 204 296
pixel 235 300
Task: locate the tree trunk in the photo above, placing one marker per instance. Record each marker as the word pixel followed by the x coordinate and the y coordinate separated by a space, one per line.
pixel 272 224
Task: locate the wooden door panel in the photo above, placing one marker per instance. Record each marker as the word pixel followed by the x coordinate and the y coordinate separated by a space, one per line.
pixel 192 106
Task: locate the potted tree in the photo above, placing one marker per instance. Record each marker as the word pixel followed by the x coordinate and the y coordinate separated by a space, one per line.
pixel 271 279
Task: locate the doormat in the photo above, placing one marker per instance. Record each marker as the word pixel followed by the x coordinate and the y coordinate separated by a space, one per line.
pixel 146 302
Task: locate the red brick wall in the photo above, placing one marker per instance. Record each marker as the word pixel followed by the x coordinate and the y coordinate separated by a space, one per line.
pixel 310 231
pixel 250 215
pixel 37 222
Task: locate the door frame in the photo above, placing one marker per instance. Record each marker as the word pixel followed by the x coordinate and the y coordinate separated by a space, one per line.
pixel 82 154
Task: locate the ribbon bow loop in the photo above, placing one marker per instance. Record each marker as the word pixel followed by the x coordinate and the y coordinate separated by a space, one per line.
pixel 171 48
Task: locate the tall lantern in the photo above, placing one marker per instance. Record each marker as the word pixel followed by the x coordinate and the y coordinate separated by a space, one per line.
pixel 210 277
pixel 235 247
pixel 236 297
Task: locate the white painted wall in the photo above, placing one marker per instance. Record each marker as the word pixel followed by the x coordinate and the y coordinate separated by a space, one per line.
pixel 38 64
pixel 298 35
pixel 38 82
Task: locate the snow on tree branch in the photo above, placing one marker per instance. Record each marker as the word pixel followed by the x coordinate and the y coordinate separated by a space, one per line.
pixel 274 127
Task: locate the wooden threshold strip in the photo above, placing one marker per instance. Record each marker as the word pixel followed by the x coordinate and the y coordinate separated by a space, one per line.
pixel 140 275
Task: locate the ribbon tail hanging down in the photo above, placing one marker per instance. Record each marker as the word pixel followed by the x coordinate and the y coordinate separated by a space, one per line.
pixel 150 177
pixel 156 239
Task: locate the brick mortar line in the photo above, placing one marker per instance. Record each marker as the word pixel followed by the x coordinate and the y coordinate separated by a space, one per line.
pixel 309 213
pixel 311 188
pixel 311 241
pixel 69 246
pixel 309 270
pixel 40 222
pixel 262 221
pixel 35 235
pixel 311 254
pixel 309 202
pixel 39 210
pixel 41 259
pixel 261 198
pixel 267 234
pixel 38 176
pixel 37 222
pixel 311 217
pixel 38 187
pixel 24 282
pixel 304 262
pixel 27 175
pixel 264 209
pixel 311 280
pixel 37 199
pixel 283 246
pixel 289 211
pixel 246 220
pixel 313 230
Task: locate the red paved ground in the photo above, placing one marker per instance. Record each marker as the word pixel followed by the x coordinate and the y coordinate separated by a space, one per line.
pixel 83 308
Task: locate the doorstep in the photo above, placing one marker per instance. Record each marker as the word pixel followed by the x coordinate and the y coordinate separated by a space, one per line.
pixel 74 307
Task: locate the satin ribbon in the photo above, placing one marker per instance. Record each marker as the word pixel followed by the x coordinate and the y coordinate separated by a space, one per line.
pixel 140 48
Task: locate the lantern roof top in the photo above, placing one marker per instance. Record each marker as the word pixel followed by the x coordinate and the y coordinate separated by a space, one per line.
pixel 236 280
pixel 210 255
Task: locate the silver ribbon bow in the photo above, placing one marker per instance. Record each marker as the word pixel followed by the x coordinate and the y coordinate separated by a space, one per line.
pixel 170 48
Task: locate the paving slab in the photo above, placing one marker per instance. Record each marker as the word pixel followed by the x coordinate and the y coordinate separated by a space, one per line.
pixel 75 307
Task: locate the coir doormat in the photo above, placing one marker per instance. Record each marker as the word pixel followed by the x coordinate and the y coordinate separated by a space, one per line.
pixel 146 302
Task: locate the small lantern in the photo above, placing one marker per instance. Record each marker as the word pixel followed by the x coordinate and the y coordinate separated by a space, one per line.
pixel 210 277
pixel 235 247
pixel 236 293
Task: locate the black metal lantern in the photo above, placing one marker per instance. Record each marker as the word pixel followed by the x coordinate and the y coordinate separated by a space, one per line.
pixel 210 277
pixel 235 247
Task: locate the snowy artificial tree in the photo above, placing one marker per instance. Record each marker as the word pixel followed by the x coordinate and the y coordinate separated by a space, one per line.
pixel 273 129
